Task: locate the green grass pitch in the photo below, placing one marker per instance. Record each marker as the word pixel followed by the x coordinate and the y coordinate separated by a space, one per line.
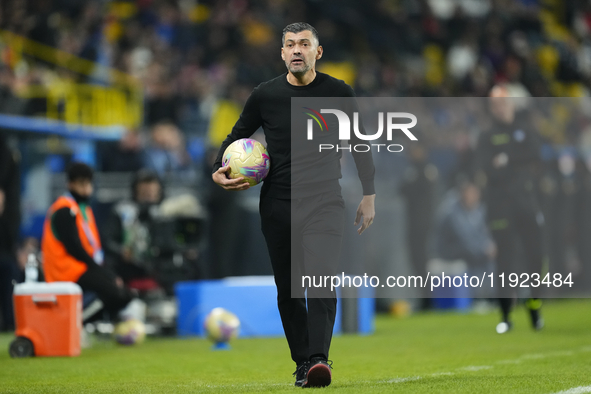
pixel 425 353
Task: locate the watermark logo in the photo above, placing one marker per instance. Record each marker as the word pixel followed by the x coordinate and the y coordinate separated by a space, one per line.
pixel 315 116
pixel 345 128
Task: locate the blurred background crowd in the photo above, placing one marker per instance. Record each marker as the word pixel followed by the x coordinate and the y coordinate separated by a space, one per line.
pixel 158 84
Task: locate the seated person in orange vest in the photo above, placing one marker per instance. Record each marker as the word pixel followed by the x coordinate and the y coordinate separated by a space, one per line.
pixel 71 245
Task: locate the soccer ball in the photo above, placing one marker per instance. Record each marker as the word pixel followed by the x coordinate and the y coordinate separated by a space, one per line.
pixel 247 158
pixel 130 332
pixel 221 325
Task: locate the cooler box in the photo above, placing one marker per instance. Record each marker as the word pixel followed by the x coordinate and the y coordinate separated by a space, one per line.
pixel 48 317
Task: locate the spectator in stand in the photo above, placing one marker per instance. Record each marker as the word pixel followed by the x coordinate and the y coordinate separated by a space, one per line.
pixel 167 153
pixel 126 156
pixel 462 232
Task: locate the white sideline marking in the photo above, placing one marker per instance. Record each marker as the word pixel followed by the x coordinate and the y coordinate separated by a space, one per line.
pixel 442 374
pixel 562 353
pixel 475 368
pixel 539 356
pixel 520 359
pixel 262 385
pixel 576 390
pixel 402 380
pixel 515 361
pixel 535 356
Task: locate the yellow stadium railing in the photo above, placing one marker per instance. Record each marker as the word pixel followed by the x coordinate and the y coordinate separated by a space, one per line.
pixel 120 102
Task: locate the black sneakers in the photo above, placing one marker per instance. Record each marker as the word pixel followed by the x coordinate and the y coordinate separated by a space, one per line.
pixel 537 322
pixel 534 305
pixel 300 374
pixel 319 374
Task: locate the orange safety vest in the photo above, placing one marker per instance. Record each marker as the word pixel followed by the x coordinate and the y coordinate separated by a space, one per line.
pixel 58 265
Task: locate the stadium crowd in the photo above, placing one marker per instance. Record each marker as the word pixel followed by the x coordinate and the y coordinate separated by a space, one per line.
pixel 197 62
pixel 198 59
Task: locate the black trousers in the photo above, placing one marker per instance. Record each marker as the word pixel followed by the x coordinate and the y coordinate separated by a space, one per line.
pixel 8 273
pixel 516 219
pixel 304 238
pixel 102 282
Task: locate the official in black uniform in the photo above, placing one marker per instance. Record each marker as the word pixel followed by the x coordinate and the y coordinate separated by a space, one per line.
pixel 507 154
pixel 315 234
pixel 417 190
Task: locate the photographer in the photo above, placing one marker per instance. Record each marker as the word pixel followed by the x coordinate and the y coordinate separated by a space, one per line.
pixel 127 232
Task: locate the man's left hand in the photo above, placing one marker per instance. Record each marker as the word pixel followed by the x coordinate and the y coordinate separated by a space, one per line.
pixel 366 210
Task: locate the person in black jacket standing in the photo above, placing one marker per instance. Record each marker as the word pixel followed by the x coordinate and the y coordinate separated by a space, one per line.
pixel 10 214
pixel 313 239
pixel 417 190
pixel 507 154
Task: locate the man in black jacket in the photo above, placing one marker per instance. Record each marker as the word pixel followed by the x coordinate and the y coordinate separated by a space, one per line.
pixel 313 239
pixel 507 154
pixel 9 226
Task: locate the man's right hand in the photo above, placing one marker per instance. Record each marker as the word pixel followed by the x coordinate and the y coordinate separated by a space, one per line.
pixel 221 179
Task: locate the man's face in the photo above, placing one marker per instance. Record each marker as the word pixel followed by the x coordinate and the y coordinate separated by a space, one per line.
pixel 501 105
pixel 502 108
pixel 82 187
pixel 300 52
pixel 148 192
pixel 167 136
pixel 470 196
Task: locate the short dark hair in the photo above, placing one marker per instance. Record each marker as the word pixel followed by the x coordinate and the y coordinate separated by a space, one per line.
pixel 145 176
pixel 299 27
pixel 79 172
pixel 465 179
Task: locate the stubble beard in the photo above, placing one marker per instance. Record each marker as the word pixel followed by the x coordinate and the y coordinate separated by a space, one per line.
pixel 299 71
